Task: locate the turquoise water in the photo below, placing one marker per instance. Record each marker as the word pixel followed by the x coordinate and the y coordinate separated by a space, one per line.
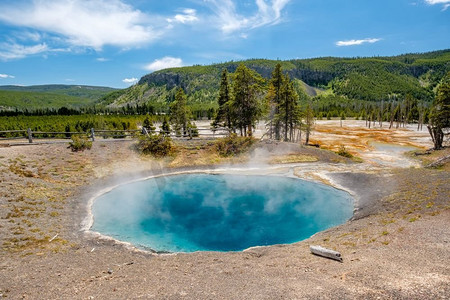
pixel 199 212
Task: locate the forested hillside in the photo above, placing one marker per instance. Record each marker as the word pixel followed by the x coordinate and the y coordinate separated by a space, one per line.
pixel 49 96
pixel 329 79
pixel 333 86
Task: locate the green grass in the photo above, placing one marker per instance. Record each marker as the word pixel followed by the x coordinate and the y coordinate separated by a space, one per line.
pixel 50 96
pixel 79 91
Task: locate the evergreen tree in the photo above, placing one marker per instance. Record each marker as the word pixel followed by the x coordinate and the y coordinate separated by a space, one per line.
pixel 180 114
pixel 395 116
pixel 193 130
pixel 247 94
pixel 309 122
pixel 165 127
pixel 273 98
pixel 223 116
pixel 289 116
pixel 439 119
pixel 148 124
pixel 67 129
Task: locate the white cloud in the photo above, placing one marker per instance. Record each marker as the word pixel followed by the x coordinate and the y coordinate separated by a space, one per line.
pixel 188 16
pixel 446 3
pixel 268 13
pixel 432 2
pixel 78 26
pixel 28 36
pixel 164 63
pixel 102 59
pixel 357 42
pixel 6 76
pixel 93 23
pixel 130 80
pixel 16 51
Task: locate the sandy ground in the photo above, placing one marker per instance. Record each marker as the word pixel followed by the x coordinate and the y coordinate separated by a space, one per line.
pixel 397 246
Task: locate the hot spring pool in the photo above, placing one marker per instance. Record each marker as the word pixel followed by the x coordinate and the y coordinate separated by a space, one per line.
pixel 203 212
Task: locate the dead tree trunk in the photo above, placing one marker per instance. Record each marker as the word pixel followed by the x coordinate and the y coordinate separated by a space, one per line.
pixel 437 136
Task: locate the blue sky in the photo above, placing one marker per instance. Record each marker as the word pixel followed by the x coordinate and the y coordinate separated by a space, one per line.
pixel 115 42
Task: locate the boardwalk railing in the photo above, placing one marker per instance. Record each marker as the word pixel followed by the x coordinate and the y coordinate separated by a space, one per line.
pixel 94 134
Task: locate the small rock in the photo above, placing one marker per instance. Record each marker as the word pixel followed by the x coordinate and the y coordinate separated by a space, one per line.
pixel 110 271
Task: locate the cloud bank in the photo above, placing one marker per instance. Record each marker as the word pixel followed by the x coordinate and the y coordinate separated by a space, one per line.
pixel 77 26
pixel 93 23
pixel 130 80
pixel 6 76
pixel 188 16
pixel 229 20
pixel 15 51
pixel 164 63
pixel 357 42
pixel 446 3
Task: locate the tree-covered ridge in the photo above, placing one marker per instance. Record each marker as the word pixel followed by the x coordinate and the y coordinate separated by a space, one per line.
pixel 50 96
pixel 201 84
pixel 11 100
pixel 82 91
pixel 427 68
pixel 368 79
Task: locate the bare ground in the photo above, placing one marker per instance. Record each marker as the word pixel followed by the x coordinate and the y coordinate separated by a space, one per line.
pixel 397 246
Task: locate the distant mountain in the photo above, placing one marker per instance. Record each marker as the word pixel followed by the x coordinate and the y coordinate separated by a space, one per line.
pixel 50 96
pixel 367 79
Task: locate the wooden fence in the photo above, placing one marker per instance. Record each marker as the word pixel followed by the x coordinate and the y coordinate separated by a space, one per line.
pixel 100 134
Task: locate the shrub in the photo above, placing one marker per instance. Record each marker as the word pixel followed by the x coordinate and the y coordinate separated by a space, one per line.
pixel 193 128
pixel 156 145
pixel 233 145
pixel 80 143
pixel 343 152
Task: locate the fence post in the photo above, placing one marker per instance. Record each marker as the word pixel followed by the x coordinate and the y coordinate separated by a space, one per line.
pixel 30 135
pixel 93 134
pixel 144 131
pixel 190 133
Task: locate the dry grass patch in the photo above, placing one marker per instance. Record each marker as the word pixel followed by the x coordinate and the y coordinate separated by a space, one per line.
pixel 292 158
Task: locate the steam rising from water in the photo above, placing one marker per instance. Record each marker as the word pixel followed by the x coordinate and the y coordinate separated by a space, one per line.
pixel 218 212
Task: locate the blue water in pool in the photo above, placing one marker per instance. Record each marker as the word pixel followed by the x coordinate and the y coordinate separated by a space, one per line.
pixel 196 212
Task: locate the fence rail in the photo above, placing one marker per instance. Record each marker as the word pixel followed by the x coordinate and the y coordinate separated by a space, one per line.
pixel 30 135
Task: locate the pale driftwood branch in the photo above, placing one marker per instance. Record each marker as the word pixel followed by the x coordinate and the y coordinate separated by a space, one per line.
pixel 324 252
pixel 53 238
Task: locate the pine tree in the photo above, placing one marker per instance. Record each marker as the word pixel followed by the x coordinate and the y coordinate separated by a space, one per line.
pixel 148 124
pixel 273 98
pixel 289 115
pixel 67 129
pixel 165 127
pixel 180 114
pixel 247 94
pixel 309 122
pixel 440 113
pixel 223 117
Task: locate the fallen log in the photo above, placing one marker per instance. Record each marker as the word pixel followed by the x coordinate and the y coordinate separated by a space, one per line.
pixel 440 162
pixel 324 252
